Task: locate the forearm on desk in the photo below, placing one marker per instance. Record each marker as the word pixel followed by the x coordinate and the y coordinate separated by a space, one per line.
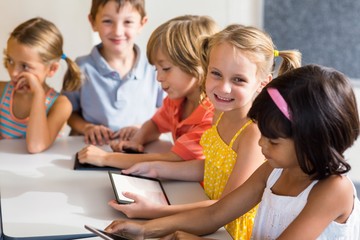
pixel 123 160
pixel 163 226
pixel 167 210
pixel 40 138
pixel 189 170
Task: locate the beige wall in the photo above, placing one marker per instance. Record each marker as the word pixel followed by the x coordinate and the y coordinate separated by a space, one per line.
pixel 71 18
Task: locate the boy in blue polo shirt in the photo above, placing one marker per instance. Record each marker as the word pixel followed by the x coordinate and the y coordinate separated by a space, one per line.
pixel 119 86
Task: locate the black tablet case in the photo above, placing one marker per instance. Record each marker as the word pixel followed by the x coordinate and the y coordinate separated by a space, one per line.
pixel 86 166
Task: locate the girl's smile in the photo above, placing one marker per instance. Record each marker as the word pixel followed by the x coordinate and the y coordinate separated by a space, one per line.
pixel 231 83
pixel 223 99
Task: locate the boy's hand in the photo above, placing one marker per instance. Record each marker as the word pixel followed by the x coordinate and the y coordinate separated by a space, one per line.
pixel 121 146
pixel 144 169
pixel 125 133
pixel 97 134
pixel 92 155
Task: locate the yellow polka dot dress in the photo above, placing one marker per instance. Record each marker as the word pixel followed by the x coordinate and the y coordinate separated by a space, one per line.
pixel 220 159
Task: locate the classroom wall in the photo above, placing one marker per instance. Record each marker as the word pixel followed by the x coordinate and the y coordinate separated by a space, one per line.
pixel 326 32
pixel 71 18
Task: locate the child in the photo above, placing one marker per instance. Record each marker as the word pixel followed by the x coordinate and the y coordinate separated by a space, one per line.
pixel 172 48
pixel 29 107
pixel 113 71
pixel 308 118
pixel 237 61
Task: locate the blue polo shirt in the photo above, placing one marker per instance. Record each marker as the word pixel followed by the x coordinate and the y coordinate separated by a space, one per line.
pixel 114 101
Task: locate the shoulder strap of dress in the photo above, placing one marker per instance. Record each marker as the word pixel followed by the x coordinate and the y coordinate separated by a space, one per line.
pixel 218 120
pixel 51 97
pixel 273 177
pixel 308 189
pixel 238 132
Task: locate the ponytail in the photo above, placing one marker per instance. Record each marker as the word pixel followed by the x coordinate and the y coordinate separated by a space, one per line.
pixel 291 59
pixel 72 78
pixel 42 35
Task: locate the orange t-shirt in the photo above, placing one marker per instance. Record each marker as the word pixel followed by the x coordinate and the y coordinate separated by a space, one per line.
pixel 186 133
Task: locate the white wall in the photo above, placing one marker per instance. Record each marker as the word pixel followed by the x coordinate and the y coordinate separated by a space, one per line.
pixel 70 16
pixel 248 12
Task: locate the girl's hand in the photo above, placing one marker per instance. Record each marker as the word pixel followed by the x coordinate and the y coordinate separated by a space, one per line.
pixel 92 155
pixel 97 134
pixel 180 235
pixel 28 82
pixel 140 208
pixel 145 169
pixel 121 146
pixel 125 133
pixel 127 228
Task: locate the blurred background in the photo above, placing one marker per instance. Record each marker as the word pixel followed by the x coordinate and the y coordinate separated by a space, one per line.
pixel 71 17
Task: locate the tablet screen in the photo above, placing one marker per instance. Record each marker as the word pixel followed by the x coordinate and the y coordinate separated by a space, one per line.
pixel 148 187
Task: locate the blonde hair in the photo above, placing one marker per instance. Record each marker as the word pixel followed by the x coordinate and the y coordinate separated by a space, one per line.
pixel 256 44
pixel 179 38
pixel 46 38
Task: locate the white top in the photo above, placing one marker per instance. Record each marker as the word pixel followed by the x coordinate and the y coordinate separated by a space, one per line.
pixel 276 212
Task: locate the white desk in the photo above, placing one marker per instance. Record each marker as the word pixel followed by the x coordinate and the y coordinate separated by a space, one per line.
pixel 42 197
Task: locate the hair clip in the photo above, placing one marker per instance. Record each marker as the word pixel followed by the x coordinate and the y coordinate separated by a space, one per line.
pixel 276 53
pixel 279 101
pixel 63 56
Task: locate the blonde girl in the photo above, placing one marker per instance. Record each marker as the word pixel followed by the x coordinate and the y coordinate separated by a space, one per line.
pixel 172 48
pixel 237 62
pixel 31 109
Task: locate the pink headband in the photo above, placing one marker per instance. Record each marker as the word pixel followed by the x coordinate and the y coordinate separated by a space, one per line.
pixel 279 101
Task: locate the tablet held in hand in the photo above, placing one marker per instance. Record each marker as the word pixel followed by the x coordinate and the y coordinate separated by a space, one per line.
pixel 150 188
pixel 105 235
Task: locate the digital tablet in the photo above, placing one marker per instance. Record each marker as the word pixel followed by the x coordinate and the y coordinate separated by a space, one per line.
pixel 131 150
pixel 86 166
pixel 150 188
pixel 105 235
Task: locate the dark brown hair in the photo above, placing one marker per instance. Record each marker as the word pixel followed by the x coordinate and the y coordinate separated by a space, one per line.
pixel 324 117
